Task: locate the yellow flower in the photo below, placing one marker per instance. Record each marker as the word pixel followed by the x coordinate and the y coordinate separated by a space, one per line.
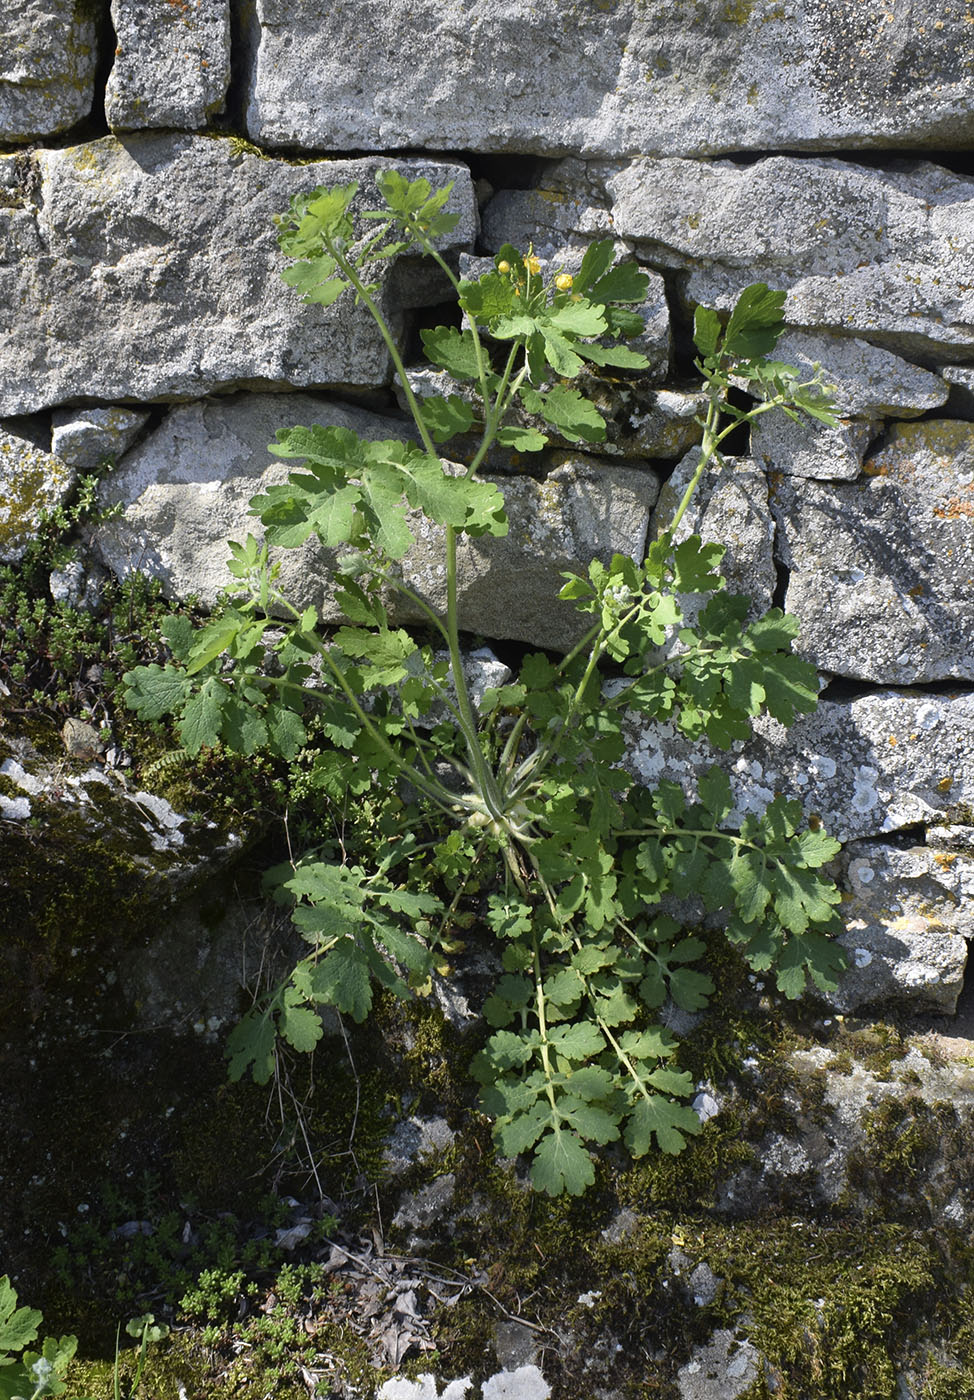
pixel 564 282
pixel 532 264
pixel 503 265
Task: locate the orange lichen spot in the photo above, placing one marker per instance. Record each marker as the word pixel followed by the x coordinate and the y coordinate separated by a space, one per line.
pixel 945 859
pixel 955 509
pixel 873 468
pixel 893 740
pixel 945 785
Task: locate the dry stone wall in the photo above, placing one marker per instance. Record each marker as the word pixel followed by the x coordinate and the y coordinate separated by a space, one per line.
pixel 821 146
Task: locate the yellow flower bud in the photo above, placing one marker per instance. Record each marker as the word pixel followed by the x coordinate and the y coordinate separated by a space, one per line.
pixel 503 265
pixel 564 282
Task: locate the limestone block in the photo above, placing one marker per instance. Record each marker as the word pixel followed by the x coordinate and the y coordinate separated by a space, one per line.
pixel 657 76
pixel 882 569
pixel 48 59
pixel 865 381
pixel 508 587
pixel 729 507
pixel 812 449
pixel 864 767
pixel 84 437
pixel 909 913
pixel 31 481
pixel 186 491
pixel 722 1369
pixel 882 254
pixel 149 269
pixel 172 63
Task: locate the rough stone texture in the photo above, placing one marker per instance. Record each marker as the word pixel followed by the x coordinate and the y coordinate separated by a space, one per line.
pixel 885 254
pixel 865 381
pixel 83 438
pixel 148 268
pixel 721 1370
pixel 172 63
pixel 811 449
pixel 882 569
pixel 908 915
pixel 826 1151
pixel 169 849
pixel 865 767
pixel 31 481
pixel 48 60
pixel 729 507
pixel 186 491
pixel 508 587
pixel 656 76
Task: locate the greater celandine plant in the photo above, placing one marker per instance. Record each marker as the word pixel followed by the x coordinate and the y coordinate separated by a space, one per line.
pixel 519 802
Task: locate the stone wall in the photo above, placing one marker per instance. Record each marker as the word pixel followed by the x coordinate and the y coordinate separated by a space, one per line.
pixel 822 146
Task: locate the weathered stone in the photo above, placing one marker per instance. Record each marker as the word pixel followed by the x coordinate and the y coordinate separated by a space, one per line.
pixel 570 208
pixel 640 76
pixel 882 569
pixel 172 63
pixel 877 253
pixel 48 60
pixel 32 481
pixel 662 423
pixel 729 507
pixel 148 268
pixel 908 913
pixel 186 491
pixel 865 767
pixel 167 849
pixel 865 381
pixel 721 1370
pixel 830 1155
pixel 811 449
pixel 84 437
pixel 508 587
pixel 187 488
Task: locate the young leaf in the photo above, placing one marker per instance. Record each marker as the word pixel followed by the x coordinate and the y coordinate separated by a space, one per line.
pixel 755 323
pixel 706 330
pixel 562 1164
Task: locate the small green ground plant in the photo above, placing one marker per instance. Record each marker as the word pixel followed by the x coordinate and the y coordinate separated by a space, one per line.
pixel 27 1374
pixel 518 811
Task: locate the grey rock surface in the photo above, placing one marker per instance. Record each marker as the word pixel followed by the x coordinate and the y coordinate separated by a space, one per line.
pixel 186 491
pixel 721 1370
pixel 882 254
pixel 31 481
pixel 729 507
pixel 48 60
pixel 865 767
pixel 828 1154
pixel 887 560
pixel 83 438
pixel 865 380
pixel 909 914
pixel 169 849
pixel 147 268
pixel 640 76
pixel 811 449
pixel 508 587
pixel 187 488
pixel 172 63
